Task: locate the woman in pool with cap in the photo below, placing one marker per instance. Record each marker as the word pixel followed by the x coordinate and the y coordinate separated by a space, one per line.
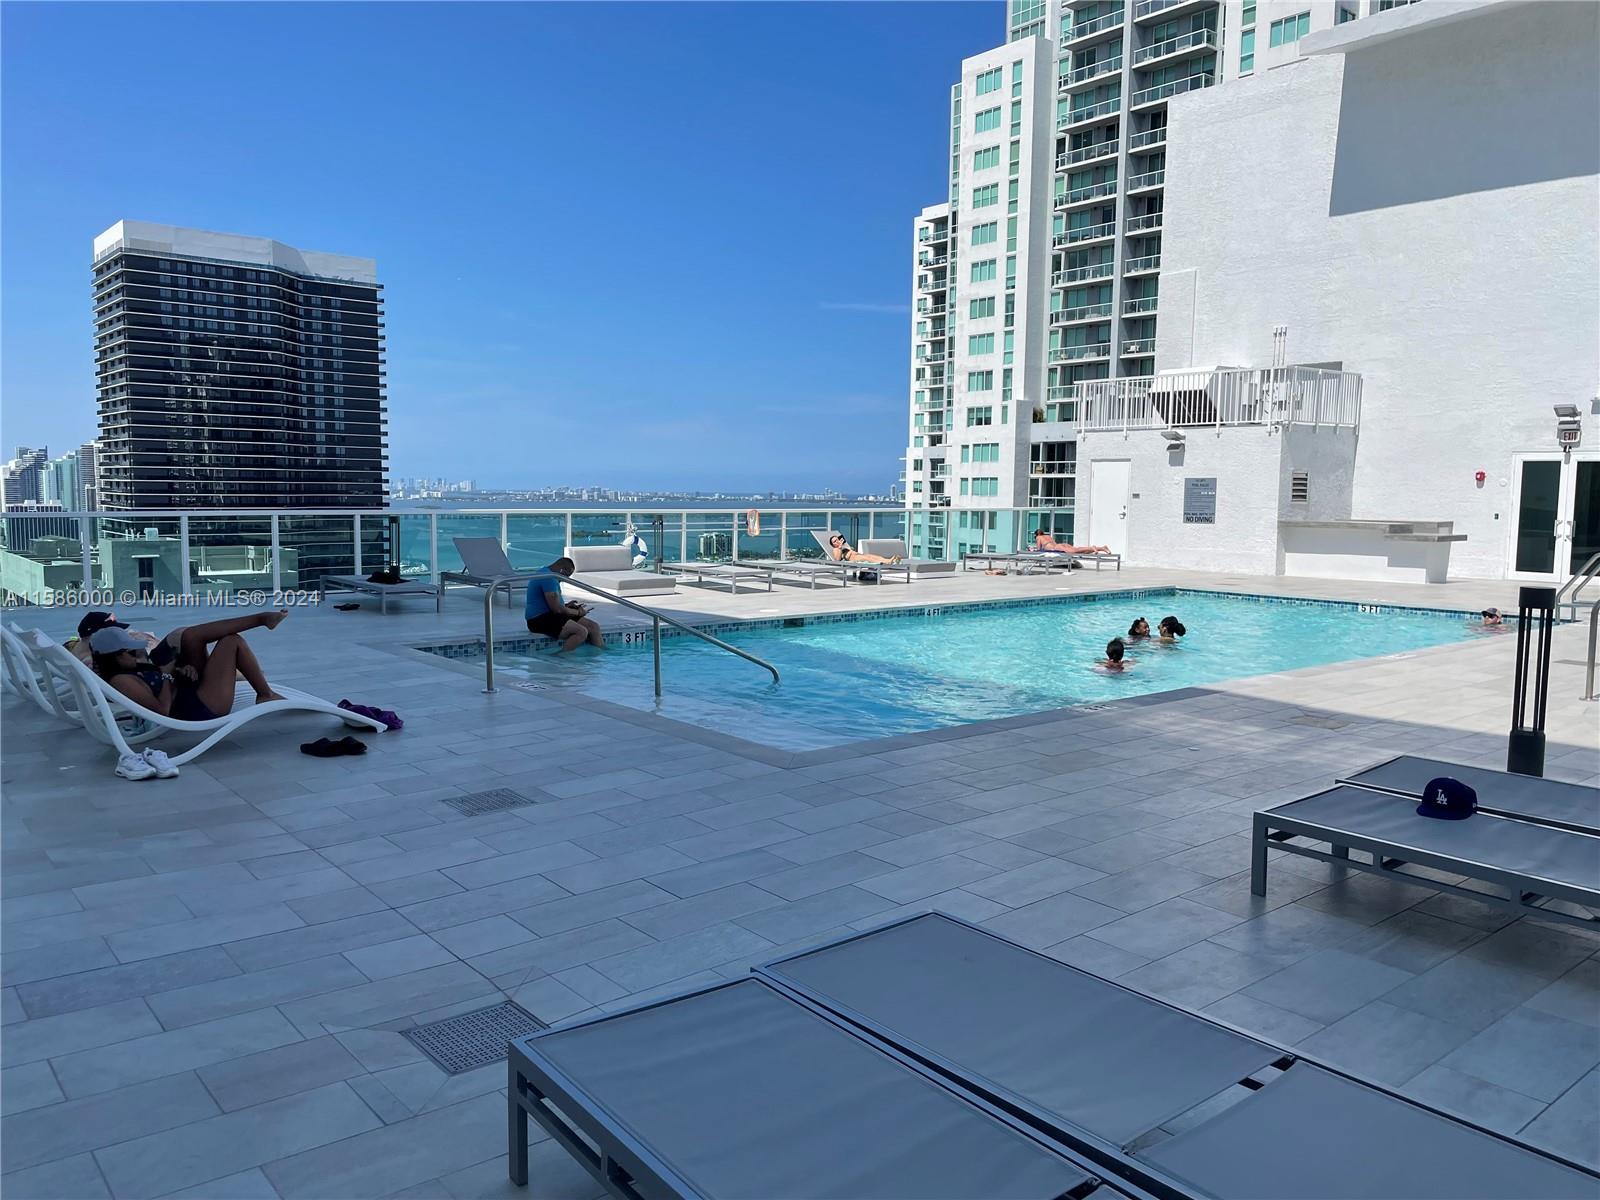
pixel 203 661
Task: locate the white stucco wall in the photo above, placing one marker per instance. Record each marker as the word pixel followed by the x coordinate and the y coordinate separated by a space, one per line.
pixel 1424 211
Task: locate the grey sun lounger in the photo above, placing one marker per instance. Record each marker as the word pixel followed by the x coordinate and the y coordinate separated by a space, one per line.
pixel 808 569
pixel 1533 867
pixel 360 583
pixel 725 573
pixel 1105 1070
pixel 1024 561
pixel 879 570
pixel 484 564
pixel 738 1092
pixel 1545 801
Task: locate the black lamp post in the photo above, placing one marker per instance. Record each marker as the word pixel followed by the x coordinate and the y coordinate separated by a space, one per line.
pixel 1536 614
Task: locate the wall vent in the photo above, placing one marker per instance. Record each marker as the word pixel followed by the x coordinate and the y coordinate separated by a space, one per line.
pixel 1299 487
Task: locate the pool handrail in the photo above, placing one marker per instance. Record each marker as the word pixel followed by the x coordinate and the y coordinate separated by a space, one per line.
pixel 656 618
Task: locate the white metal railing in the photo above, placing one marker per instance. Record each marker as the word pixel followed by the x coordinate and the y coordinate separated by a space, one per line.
pixel 1149 8
pixel 1091 112
pixel 930 310
pixel 1083 312
pixel 1079 353
pixel 1249 396
pixel 1086 233
pixel 1073 274
pixel 1138 347
pixel 1164 91
pixel 1135 305
pixel 1148 221
pixel 1149 179
pixel 1083 29
pixel 933 260
pixel 1147 262
pixel 1089 192
pixel 1083 154
pixel 1150 137
pixel 1187 41
pixel 1094 70
pixel 1052 468
pixel 1062 391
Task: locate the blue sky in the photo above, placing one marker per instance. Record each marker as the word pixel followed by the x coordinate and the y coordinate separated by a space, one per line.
pixel 635 244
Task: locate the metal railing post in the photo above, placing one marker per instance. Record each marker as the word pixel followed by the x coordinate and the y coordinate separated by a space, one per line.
pixel 355 530
pixel 433 546
pixel 568 535
pixel 505 531
pixel 86 551
pixel 277 576
pixel 656 623
pixel 488 637
pixel 1594 633
pixel 183 552
pixel 783 535
pixel 735 542
pixel 683 536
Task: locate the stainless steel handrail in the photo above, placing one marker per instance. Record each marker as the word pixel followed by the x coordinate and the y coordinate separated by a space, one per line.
pixel 656 618
pixel 1579 580
pixel 1594 637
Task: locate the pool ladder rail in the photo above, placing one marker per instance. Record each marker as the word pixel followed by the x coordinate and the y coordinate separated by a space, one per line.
pixel 1567 597
pixel 656 620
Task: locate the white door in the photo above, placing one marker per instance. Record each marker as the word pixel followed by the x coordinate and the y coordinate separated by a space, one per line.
pixel 1555 514
pixel 1108 503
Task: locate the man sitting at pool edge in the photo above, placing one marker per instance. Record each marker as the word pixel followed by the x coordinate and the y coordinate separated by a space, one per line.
pixel 1042 541
pixel 547 613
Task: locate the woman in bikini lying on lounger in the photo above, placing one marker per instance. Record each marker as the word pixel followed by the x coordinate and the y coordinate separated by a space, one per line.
pixel 1042 541
pixel 191 677
pixel 841 551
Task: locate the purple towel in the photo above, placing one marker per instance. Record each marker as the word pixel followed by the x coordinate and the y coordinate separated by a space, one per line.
pixel 389 719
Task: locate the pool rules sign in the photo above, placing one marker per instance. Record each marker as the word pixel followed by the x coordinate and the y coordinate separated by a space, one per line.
pixel 1200 500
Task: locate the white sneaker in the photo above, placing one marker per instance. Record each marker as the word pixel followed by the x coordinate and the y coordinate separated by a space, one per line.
pixel 133 766
pixel 161 764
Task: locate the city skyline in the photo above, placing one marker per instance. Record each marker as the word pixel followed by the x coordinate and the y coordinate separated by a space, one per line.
pixel 731 353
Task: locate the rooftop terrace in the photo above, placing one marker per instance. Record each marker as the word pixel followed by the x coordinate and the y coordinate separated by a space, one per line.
pixel 206 977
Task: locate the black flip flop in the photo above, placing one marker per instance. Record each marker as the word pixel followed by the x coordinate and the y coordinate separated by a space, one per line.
pixel 321 748
pixel 345 607
pixel 349 745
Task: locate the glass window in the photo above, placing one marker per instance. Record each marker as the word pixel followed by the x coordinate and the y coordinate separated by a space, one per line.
pixel 983 272
pixel 988 119
pixel 1249 13
pixel 981 381
pixel 988 157
pixel 1247 51
pixel 980 343
pixel 981 307
pixel 990 81
pixel 982 414
pixel 983 197
pixel 1289 29
pixel 983 235
pixel 1016 71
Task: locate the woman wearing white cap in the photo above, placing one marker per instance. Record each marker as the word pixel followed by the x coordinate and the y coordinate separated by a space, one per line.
pixel 199 686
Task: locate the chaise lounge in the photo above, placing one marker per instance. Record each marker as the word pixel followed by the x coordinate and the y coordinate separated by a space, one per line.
pixel 611 568
pixel 1530 798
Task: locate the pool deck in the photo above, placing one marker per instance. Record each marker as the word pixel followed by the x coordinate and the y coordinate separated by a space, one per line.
pixel 204 978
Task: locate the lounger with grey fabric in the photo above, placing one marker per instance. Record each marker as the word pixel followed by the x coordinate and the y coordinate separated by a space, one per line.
pixel 360 583
pixel 737 1091
pixel 728 574
pixel 1024 562
pixel 1545 801
pixel 1162 1098
pixel 1536 870
pixel 808 569
pixel 879 570
pixel 484 564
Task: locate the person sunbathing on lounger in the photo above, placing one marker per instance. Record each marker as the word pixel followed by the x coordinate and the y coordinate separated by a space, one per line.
pixel 1042 541
pixel 842 551
pixel 191 674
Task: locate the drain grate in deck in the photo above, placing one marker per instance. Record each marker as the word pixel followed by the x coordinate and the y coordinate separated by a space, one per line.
pixel 475 804
pixel 473 1039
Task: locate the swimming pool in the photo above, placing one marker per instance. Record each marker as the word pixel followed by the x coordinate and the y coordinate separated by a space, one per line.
pixel 874 675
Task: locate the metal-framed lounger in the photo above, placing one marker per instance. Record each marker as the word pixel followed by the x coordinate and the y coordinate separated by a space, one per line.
pixel 359 583
pixel 1024 560
pixel 1544 801
pixel 809 569
pixel 727 573
pixel 484 564
pixel 1102 1069
pixel 98 705
pixel 879 570
pixel 1099 560
pixel 1533 865
pixel 737 1091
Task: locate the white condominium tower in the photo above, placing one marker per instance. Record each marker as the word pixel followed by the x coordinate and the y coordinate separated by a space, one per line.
pixel 1042 268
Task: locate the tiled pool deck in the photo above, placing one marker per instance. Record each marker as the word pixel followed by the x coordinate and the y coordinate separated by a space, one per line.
pixel 204 978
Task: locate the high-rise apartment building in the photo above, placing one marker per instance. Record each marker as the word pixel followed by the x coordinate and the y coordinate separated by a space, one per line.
pixel 22 479
pixel 237 372
pixel 1041 270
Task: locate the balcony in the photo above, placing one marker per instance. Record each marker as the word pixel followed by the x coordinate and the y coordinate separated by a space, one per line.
pixel 1053 468
pixel 1269 396
pixel 937 356
pixel 1139 348
pixel 1080 353
pixel 1088 115
pixel 1085 233
pixel 1150 137
pixel 1094 70
pixel 1138 224
pixel 1083 154
pixel 1103 270
pixel 932 260
pixel 1146 10
pixel 1086 195
pixel 931 309
pixel 1146 181
pixel 931 283
pixel 1082 31
pixel 1138 306
pixel 1084 312
pixel 927 234
pixel 1143 265
pixel 932 402
pixel 1165 91
pixel 1196 39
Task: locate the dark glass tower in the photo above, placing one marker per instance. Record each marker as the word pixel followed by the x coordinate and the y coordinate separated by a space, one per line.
pixel 238 372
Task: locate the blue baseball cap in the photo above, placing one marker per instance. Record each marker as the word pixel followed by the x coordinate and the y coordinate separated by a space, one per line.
pixel 1448 800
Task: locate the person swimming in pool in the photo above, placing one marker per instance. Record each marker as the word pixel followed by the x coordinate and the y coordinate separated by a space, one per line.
pixel 1139 630
pixel 1492 620
pixel 1169 631
pixel 1114 660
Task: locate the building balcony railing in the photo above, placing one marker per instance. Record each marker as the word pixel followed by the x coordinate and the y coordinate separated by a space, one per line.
pixel 1165 91
pixel 1143 265
pixel 1080 30
pixel 1083 195
pixel 1090 113
pixel 926 234
pixel 1062 391
pixel 940 470
pixel 932 260
pixel 1148 138
pixel 930 308
pixel 1147 221
pixel 931 283
pixel 1085 233
pixel 1145 10
pixel 1053 468
pixel 1094 70
pixel 1195 39
pixel 1080 353
pixel 1139 348
pixel 1083 154
pixel 1268 396
pixel 936 356
pixel 1147 180
pixel 1084 312
pixel 1102 270
pixel 931 402
pixel 1138 304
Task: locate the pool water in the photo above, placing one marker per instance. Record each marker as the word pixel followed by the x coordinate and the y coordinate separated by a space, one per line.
pixel 846 681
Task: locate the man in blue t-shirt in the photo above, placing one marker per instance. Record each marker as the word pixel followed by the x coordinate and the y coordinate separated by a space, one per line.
pixel 547 613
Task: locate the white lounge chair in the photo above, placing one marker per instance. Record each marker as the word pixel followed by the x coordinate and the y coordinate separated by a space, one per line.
pixel 823 537
pixel 24 678
pixel 920 568
pixel 97 705
pixel 611 568
pixel 484 563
